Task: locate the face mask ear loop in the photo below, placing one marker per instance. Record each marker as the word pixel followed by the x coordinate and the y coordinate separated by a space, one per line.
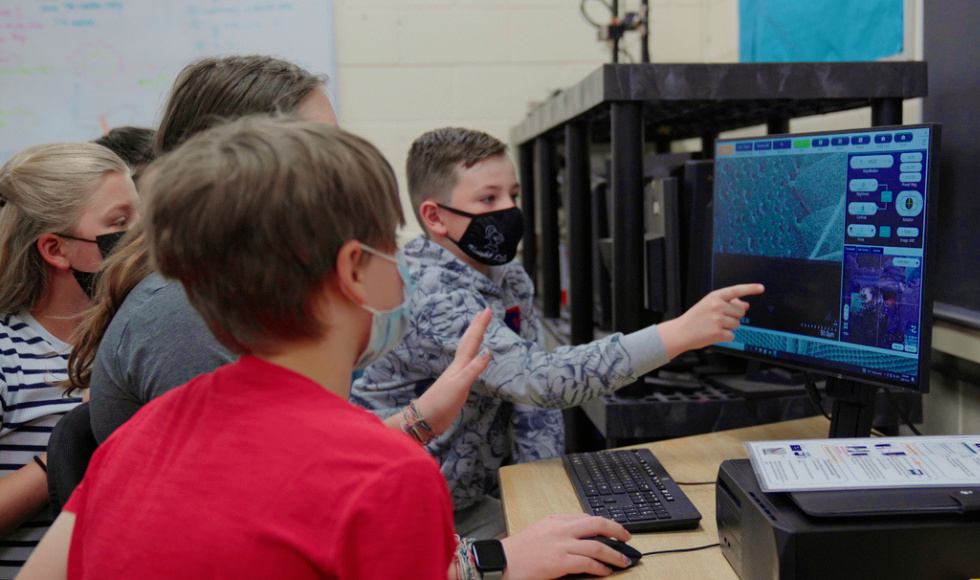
pixel 388 327
pixel 459 211
pixel 395 261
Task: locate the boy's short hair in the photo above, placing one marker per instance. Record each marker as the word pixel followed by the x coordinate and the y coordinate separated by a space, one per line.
pixel 250 216
pixel 434 157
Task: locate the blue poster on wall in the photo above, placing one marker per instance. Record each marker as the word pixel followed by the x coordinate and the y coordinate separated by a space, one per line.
pixel 819 30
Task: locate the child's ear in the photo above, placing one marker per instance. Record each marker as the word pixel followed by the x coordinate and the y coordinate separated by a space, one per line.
pixel 52 249
pixel 349 274
pixel 432 219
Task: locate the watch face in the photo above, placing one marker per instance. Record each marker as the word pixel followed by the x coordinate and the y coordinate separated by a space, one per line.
pixel 489 555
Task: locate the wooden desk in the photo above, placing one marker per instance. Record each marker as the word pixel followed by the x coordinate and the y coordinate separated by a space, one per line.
pixel 533 491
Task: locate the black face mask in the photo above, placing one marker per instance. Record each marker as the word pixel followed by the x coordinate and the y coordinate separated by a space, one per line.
pixel 106 243
pixel 87 281
pixel 491 238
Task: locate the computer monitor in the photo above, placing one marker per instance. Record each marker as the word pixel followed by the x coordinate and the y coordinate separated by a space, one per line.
pixel 838 226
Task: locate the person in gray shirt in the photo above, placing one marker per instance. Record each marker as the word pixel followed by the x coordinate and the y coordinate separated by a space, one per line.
pixel 143 338
pixel 155 342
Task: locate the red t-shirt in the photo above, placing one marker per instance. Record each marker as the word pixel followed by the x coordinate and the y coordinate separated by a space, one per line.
pixel 254 471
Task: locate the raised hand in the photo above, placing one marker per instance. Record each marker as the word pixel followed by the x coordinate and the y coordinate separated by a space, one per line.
pixel 443 400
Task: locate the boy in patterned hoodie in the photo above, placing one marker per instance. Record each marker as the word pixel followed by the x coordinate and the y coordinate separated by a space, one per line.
pixel 463 189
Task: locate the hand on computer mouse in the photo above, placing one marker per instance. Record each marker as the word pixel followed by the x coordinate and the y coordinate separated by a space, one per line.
pixel 560 545
pixel 622 547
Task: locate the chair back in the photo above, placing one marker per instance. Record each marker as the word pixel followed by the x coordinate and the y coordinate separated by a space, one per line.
pixel 70 448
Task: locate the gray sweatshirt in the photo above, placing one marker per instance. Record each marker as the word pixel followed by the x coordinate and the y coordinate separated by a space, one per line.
pixel 499 418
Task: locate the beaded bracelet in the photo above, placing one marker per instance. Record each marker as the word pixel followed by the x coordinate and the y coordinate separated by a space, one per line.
pixel 421 422
pixel 415 425
pixel 465 560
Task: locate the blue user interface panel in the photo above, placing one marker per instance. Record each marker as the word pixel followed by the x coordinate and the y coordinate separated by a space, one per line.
pixel 834 226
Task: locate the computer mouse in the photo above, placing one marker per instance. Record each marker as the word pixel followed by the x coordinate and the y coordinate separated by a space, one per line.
pixel 622 547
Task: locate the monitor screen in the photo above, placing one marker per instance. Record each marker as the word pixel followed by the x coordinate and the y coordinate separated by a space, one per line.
pixel 835 226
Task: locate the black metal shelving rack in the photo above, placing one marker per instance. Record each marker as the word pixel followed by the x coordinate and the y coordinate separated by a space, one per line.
pixel 631 105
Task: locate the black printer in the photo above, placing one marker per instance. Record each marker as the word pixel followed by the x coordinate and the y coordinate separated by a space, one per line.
pixel 893 534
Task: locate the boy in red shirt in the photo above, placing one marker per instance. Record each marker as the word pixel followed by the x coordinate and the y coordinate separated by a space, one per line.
pixel 282 233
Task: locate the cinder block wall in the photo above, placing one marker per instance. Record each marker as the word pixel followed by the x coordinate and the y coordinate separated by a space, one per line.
pixel 407 66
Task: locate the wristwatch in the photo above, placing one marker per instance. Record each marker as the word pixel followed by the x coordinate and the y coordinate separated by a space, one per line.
pixel 490 559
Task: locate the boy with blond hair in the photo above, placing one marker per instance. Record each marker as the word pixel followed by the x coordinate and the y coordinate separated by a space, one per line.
pixel 463 189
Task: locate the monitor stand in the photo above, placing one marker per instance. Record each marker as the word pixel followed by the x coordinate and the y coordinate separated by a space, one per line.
pixel 854 407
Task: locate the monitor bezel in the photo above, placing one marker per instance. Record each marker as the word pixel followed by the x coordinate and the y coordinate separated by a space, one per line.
pixel 929 225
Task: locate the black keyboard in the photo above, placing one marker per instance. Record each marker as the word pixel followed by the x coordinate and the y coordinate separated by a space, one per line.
pixel 632 488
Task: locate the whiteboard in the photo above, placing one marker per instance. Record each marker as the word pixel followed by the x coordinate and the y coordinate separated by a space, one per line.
pixel 69 69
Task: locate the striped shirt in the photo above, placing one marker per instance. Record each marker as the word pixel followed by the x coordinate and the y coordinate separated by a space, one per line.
pixel 31 361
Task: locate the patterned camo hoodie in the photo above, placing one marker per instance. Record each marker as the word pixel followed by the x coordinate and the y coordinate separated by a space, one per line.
pixel 512 407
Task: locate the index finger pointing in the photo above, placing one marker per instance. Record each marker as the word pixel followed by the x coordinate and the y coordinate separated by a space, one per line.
pixel 739 290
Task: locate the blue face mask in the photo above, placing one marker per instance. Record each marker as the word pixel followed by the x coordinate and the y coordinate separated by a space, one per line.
pixel 388 327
